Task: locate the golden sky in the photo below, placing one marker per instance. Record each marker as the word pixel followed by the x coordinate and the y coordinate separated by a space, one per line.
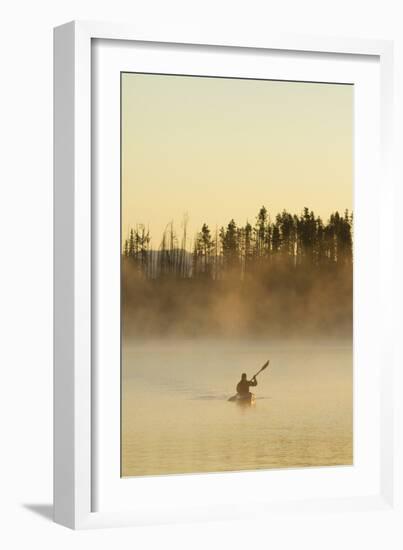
pixel 218 149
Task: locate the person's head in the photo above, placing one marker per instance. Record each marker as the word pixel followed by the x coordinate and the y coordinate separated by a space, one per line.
pixel 243 377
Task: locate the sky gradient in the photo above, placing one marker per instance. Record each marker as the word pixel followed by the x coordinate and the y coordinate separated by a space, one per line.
pixel 217 149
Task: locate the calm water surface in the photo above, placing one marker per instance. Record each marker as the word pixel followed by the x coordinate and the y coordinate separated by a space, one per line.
pixel 176 417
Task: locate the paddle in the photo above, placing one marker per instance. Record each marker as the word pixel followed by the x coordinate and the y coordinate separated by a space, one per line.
pixel 262 369
pixel 233 397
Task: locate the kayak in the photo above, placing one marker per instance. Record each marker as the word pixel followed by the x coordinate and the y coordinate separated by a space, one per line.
pixel 249 399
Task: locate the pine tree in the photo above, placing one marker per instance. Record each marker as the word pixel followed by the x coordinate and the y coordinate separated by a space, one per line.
pixel 131 253
pixel 230 245
pixel 126 249
pixel 204 248
pixel 261 233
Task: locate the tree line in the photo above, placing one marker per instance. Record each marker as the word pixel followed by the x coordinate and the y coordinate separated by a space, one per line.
pixel 242 251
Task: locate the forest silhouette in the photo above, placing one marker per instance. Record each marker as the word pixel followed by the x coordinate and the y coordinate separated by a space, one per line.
pixel 290 277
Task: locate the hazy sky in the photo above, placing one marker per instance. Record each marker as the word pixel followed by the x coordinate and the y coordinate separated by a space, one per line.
pixel 219 148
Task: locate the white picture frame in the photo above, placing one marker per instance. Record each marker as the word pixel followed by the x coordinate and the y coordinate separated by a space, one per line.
pixel 77 421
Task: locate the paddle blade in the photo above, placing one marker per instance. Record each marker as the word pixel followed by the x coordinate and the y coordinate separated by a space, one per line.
pixel 264 366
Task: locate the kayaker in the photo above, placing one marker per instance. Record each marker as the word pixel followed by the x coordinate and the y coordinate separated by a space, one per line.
pixel 244 384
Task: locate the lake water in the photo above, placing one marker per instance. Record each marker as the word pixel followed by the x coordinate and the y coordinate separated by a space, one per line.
pixel 176 417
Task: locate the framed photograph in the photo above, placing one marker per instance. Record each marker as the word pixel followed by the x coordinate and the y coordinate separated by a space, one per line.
pixel 223 286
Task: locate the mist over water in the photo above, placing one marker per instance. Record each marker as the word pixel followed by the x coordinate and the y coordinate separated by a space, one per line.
pixel 176 417
pixel 282 303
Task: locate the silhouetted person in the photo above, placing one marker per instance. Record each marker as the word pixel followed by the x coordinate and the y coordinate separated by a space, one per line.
pixel 244 384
